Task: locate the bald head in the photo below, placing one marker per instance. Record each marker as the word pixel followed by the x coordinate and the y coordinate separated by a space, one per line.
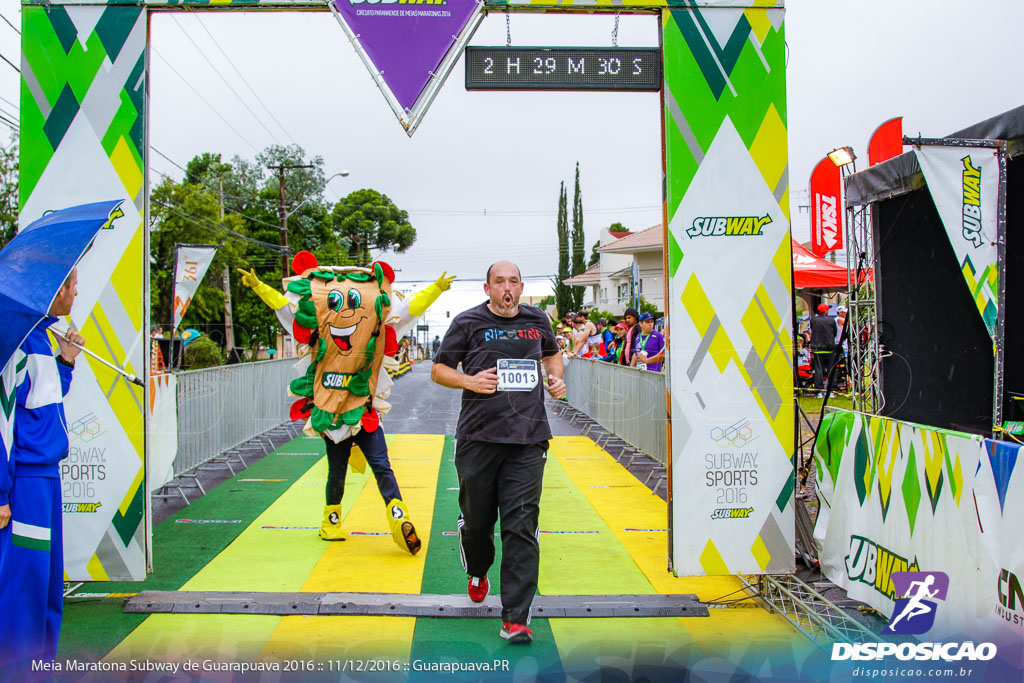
pixel 503 264
pixel 504 286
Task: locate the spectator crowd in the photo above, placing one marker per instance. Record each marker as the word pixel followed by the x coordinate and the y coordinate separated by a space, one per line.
pixel 633 341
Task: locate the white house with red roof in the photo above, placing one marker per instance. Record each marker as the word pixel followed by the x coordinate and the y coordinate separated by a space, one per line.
pixel 608 281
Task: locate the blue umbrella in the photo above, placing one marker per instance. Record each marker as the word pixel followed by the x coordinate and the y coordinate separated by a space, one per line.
pixel 35 264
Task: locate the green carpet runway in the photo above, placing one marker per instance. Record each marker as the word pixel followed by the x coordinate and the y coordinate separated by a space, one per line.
pixel 602 532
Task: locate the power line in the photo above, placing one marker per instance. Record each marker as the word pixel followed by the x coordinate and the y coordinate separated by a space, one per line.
pixel 16 107
pixel 454 213
pixel 220 227
pixel 172 161
pixel 219 74
pixel 226 194
pixel 527 212
pixel 11 63
pixel 9 23
pixel 237 213
pixel 210 225
pixel 203 100
pixel 216 44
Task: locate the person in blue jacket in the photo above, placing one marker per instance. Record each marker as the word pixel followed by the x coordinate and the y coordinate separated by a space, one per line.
pixel 33 440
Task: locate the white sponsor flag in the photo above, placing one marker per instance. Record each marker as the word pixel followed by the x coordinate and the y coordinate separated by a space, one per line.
pixel 964 183
pixel 193 260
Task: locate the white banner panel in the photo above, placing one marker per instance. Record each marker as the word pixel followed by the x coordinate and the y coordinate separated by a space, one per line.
pixel 87 147
pixel 163 429
pixel 964 184
pixel 731 420
pixel 895 496
pixel 192 263
pixel 729 296
pixel 999 492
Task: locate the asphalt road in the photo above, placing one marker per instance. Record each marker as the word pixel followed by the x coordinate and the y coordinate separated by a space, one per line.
pixel 418 406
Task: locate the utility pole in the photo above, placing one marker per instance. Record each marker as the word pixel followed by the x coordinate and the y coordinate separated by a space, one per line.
pixel 229 327
pixel 284 214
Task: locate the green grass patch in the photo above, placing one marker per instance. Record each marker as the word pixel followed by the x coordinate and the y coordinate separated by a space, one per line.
pixel 812 405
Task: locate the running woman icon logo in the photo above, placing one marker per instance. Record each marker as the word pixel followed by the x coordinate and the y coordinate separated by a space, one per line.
pixel 914 613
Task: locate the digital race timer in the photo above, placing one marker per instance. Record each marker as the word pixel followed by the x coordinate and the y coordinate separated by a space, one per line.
pixel 563 68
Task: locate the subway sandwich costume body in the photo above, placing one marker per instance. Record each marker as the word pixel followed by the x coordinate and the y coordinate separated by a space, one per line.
pixel 344 318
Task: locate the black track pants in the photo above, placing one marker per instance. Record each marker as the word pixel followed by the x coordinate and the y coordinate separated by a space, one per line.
pixel 505 478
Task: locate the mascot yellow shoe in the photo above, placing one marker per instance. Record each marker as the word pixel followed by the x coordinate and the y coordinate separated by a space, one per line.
pixel 402 529
pixel 330 528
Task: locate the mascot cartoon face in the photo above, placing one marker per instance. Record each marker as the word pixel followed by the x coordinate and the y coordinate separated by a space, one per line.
pixel 347 307
pixel 345 317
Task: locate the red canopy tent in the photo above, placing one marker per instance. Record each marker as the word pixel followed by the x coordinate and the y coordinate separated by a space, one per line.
pixel 812 272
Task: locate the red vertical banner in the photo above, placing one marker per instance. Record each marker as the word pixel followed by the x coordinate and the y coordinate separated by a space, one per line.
pixel 826 208
pixel 886 141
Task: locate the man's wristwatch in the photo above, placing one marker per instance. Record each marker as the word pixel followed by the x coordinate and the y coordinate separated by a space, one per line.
pixel 64 361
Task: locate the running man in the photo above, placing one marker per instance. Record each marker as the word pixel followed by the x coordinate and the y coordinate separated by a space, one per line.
pixel 916 592
pixel 503 436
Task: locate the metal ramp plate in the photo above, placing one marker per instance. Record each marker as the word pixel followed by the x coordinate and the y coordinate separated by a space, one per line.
pixel 409 605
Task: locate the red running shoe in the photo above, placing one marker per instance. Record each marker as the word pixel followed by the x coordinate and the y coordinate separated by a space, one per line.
pixel 478 588
pixel 516 633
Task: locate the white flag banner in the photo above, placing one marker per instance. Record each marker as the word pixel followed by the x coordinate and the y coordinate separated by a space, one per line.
pixel 193 261
pixel 964 184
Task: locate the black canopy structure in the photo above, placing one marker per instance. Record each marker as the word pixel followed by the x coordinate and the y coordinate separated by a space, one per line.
pixel 939 364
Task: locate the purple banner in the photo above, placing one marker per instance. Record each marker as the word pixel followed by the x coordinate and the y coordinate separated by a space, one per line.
pixel 406 41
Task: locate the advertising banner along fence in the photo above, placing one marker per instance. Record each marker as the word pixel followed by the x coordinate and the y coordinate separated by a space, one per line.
pixel 896 497
pixel 964 184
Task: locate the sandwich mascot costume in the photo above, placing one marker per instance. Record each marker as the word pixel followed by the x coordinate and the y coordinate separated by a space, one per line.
pixel 346 322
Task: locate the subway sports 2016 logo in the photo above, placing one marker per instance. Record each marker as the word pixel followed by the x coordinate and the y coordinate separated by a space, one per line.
pixel 728 226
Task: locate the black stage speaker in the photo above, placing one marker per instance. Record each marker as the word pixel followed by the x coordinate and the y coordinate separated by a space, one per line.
pixel 941 371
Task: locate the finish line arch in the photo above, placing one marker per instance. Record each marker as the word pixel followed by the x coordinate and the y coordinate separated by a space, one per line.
pixel 84 137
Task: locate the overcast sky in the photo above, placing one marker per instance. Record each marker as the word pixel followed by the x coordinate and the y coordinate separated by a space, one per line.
pixel 480 177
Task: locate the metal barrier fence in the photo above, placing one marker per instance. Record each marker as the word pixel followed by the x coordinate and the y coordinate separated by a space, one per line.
pixel 628 402
pixel 220 408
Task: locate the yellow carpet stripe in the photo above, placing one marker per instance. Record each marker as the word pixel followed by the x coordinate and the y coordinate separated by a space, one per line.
pixel 279 561
pixel 591 564
pixel 369 564
pixel 628 504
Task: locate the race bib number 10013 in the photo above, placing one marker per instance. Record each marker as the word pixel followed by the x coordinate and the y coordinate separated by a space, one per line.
pixel 517 375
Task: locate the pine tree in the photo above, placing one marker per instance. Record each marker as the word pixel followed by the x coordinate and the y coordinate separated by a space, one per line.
pixel 563 293
pixel 579 247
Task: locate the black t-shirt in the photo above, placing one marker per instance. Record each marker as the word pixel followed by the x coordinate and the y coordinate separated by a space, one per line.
pixel 823 332
pixel 477 338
